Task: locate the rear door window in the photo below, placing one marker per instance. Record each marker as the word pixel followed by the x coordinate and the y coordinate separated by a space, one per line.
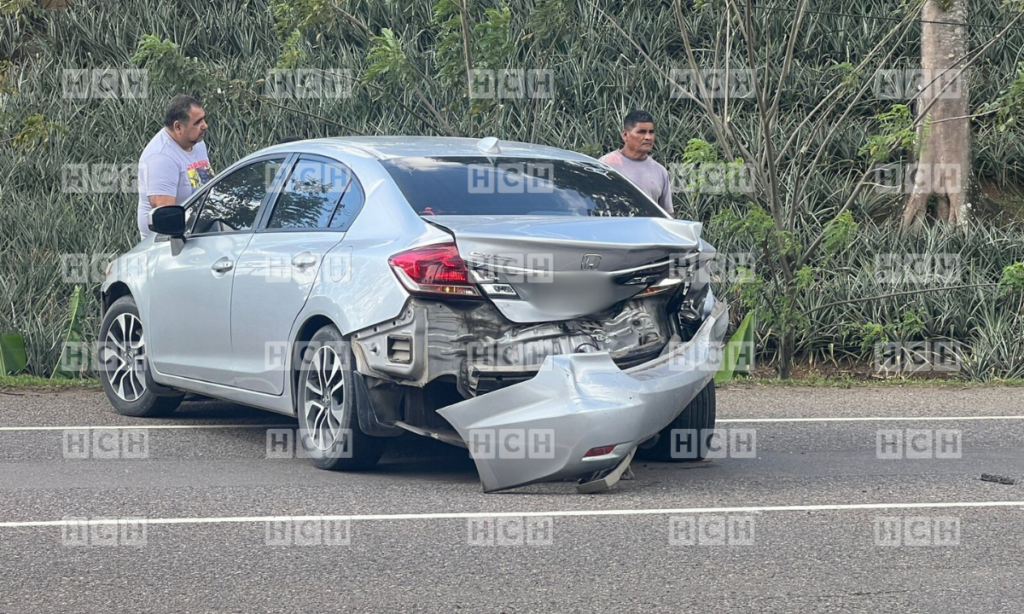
pixel 350 206
pixel 310 195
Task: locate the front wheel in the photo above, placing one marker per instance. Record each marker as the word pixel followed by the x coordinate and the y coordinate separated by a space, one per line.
pixel 698 418
pixel 124 366
pixel 329 430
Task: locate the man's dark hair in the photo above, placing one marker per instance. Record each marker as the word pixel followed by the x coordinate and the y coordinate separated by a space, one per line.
pixel 636 117
pixel 290 139
pixel 178 109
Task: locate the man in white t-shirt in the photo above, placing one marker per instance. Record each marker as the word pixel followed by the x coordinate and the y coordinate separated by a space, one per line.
pixel 635 162
pixel 174 164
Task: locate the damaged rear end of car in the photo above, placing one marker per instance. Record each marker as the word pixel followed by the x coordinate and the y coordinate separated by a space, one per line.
pixel 557 329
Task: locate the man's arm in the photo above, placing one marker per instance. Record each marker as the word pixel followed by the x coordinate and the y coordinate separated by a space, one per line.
pixel 666 196
pixel 160 200
pixel 158 178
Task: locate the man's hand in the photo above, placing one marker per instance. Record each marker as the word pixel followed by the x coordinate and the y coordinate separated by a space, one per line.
pixel 161 200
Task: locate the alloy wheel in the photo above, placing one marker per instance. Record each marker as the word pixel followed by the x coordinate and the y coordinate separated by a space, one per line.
pixel 124 357
pixel 323 402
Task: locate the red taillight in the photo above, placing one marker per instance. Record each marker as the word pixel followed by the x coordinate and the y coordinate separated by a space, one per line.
pixel 599 451
pixel 434 269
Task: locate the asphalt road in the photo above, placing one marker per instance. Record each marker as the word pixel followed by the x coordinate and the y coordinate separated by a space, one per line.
pixel 815 522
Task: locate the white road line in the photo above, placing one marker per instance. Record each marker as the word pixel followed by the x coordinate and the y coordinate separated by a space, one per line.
pixel 876 419
pixel 144 426
pixel 557 513
pixel 721 421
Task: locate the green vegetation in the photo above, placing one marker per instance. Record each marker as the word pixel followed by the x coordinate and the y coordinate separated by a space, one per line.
pixel 74 353
pixel 820 381
pixel 32 382
pixel 738 352
pixel 13 358
pixel 412 67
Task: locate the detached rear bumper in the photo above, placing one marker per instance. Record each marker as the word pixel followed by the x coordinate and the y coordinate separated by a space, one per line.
pixel 540 430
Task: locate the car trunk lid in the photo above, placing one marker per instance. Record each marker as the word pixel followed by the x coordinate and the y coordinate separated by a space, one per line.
pixel 550 268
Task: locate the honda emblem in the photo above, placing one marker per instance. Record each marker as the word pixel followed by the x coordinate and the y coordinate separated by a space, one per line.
pixel 590 261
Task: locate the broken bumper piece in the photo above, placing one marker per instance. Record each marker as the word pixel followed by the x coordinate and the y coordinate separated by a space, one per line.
pixel 542 430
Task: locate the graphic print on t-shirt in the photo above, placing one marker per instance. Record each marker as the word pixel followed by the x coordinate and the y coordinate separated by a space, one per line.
pixel 199 173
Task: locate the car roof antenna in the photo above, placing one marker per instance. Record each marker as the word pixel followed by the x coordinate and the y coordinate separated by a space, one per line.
pixel 489 145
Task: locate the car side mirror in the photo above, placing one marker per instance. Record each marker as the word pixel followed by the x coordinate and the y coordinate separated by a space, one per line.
pixel 169 220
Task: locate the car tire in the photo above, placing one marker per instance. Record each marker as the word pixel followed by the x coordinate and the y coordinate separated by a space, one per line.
pixel 325 404
pixel 124 368
pixel 699 415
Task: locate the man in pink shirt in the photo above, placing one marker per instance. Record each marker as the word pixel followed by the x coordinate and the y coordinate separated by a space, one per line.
pixel 635 162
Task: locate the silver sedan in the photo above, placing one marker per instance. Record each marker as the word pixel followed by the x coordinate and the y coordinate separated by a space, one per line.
pixel 525 302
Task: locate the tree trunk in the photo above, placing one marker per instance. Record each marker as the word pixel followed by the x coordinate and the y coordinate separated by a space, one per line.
pixel 944 143
pixel 787 341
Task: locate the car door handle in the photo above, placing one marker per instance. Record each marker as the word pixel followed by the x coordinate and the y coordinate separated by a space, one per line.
pixel 303 260
pixel 223 265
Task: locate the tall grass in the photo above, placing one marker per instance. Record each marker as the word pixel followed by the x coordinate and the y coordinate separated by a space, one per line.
pixel 985 321
pixel 598 79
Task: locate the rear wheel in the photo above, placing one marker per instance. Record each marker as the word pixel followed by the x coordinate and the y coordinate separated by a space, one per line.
pixel 326 404
pixel 124 366
pixel 699 416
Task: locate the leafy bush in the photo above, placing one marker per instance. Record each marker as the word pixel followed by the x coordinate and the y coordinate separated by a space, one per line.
pixel 224 51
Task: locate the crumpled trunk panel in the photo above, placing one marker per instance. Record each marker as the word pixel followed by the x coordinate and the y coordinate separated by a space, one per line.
pixel 546 268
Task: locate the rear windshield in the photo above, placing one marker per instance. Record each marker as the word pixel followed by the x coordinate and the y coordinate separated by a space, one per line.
pixel 516 186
